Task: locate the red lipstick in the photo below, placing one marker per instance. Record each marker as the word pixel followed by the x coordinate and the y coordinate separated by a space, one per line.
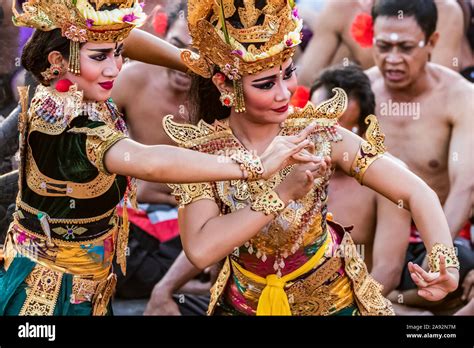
pixel 107 85
pixel 282 109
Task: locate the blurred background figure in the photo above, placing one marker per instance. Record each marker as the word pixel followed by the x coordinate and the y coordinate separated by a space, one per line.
pixel 425 111
pixel 145 94
pixel 343 31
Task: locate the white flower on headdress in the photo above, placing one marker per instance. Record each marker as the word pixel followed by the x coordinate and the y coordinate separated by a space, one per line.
pixel 132 15
pixel 292 39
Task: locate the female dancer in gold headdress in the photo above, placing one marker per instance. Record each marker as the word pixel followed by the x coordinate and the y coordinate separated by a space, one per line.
pixel 283 254
pixel 76 162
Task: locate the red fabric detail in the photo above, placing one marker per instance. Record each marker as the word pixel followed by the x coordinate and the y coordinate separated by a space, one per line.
pixel 362 30
pixel 466 231
pixel 163 231
pixel 301 97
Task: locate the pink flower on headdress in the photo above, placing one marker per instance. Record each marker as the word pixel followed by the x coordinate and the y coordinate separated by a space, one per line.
pixel 231 72
pixel 89 22
pixel 295 14
pixel 75 34
pixel 129 18
pixel 142 4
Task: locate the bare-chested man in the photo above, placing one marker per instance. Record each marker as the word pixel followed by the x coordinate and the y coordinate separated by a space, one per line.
pixel 381 228
pixel 145 94
pixel 332 42
pixel 425 111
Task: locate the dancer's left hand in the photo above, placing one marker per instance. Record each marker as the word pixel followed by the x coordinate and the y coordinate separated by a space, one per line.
pixel 434 286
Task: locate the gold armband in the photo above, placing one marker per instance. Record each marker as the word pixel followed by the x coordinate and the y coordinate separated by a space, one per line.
pixel 251 165
pixel 449 254
pixel 268 203
pixel 369 150
pixel 188 193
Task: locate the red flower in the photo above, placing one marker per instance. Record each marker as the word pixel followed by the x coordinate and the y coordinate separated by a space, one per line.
pixel 362 30
pixel 301 97
pixel 160 23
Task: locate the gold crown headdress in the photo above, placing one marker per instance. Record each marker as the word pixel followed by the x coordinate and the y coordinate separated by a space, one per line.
pixel 81 20
pixel 268 37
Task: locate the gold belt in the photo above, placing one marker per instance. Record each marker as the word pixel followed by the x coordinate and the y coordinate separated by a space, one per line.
pixel 90 259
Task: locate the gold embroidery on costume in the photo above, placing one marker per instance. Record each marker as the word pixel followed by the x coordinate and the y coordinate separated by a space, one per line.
pixel 218 287
pixel 46 186
pixel 99 141
pixel 367 290
pixel 310 296
pixel 191 136
pixel 51 111
pixel 69 231
pixel 42 292
pixel 370 150
pixel 103 294
pixel 188 193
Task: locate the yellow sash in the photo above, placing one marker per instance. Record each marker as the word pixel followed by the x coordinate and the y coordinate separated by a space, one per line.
pixel 273 300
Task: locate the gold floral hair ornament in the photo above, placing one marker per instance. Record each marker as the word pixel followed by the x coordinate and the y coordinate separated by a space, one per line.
pixel 268 37
pixel 81 21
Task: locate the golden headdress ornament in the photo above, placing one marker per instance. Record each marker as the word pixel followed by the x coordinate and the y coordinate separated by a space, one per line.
pixel 81 21
pixel 265 37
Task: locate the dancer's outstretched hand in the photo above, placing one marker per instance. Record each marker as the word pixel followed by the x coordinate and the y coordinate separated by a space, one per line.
pixel 434 286
pixel 286 150
pixel 302 178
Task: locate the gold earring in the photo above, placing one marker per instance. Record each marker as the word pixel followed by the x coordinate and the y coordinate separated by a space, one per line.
pixel 53 72
pixel 227 99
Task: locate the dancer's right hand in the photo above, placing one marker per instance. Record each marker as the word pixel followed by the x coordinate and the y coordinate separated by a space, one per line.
pixel 301 179
pixel 286 150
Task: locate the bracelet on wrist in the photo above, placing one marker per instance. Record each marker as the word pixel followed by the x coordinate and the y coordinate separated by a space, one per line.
pixel 449 254
pixel 268 203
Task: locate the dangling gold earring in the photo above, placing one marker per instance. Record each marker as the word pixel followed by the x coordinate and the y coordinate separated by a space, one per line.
pixel 227 99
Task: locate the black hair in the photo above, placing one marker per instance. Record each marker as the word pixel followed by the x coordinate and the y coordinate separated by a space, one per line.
pixel 34 57
pixel 354 82
pixel 424 11
pixel 204 100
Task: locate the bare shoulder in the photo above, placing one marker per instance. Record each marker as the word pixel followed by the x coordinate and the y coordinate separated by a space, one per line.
pixel 337 13
pixel 453 84
pixel 132 78
pixel 133 72
pixel 458 93
pixel 448 9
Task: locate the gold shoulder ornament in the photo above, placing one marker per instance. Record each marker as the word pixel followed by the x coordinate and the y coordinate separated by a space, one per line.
pixel 370 150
